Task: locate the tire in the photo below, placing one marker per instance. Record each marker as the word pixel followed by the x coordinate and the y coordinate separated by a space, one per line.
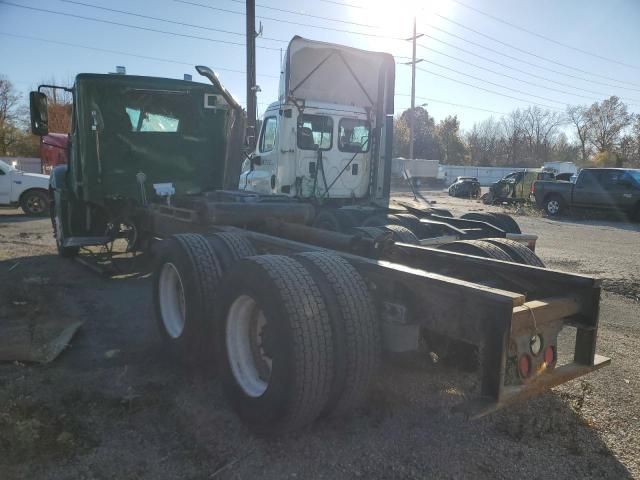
pixel 355 329
pixel 35 203
pixel 293 349
pixel 479 248
pixel 402 234
pixel 518 252
pixel 411 222
pixel 231 247
pixel 484 217
pixel 370 232
pixel 337 220
pixel 509 224
pixel 185 281
pixel 64 252
pixel 553 205
pixel 380 220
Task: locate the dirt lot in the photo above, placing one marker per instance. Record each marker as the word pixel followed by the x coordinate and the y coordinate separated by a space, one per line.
pixel 113 405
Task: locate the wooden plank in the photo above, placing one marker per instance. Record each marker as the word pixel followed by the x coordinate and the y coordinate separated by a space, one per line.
pixel 542 312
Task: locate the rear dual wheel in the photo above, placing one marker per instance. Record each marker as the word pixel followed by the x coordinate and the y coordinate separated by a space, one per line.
pixel 295 337
pixel 298 339
pixel 185 283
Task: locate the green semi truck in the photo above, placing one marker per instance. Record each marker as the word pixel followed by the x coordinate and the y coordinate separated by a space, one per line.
pixel 297 316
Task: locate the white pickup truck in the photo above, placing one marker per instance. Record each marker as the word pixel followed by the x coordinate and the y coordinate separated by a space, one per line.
pixel 29 190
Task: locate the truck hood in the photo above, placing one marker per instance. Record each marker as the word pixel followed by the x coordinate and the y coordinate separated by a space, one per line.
pixel 31 180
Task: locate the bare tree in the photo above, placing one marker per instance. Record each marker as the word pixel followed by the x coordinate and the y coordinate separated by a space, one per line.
pixel 635 133
pixel 11 116
pixel 539 127
pixel 484 141
pixel 608 119
pixel 513 127
pixel 577 116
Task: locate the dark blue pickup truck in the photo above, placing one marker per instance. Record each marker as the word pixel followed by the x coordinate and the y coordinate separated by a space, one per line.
pixel 596 188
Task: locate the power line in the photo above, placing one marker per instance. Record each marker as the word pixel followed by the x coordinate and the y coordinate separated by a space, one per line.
pixel 342 4
pixel 523 61
pixel 268 7
pixel 132 26
pixel 340 30
pixel 521 50
pixel 546 99
pixel 544 37
pixel 504 65
pixel 117 52
pixel 512 77
pixel 451 103
pixel 487 90
pixel 202 27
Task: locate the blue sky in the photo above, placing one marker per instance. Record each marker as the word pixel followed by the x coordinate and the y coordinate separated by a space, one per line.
pixel 561 75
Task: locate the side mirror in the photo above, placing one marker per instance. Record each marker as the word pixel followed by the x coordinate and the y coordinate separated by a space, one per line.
pixel 256 159
pixel 39 113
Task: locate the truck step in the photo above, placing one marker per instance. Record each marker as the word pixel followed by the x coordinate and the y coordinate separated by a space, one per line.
pixel 85 241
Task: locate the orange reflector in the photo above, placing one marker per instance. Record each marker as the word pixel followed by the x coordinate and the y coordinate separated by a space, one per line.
pixel 524 366
pixel 550 355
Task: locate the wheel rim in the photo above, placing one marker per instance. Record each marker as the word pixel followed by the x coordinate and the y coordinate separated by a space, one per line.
pixel 35 204
pixel 553 206
pixel 172 301
pixel 247 346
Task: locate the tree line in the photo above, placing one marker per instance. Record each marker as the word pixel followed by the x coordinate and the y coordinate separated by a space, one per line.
pixel 602 134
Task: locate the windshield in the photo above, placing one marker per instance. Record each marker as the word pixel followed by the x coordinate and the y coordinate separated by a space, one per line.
pixel 5 166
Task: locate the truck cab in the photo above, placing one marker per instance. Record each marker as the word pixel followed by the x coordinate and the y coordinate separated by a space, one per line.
pixel 328 137
pixel 323 152
pixel 130 136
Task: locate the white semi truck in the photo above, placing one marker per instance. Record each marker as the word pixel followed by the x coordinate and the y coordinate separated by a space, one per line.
pixel 328 141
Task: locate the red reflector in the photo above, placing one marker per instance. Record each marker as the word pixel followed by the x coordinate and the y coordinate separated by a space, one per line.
pixel 550 355
pixel 524 366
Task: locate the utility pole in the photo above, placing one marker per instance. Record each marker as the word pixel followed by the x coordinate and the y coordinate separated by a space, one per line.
pixel 412 115
pixel 251 73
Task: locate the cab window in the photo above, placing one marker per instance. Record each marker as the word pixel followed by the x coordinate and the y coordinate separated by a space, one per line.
pixel 353 135
pixel 268 135
pixel 151 111
pixel 315 130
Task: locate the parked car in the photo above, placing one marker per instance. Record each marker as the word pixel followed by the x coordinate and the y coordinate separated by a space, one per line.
pixel 28 190
pixel 597 188
pixel 465 187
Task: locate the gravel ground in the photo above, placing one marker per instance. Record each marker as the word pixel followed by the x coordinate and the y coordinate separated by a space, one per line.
pixel 114 406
